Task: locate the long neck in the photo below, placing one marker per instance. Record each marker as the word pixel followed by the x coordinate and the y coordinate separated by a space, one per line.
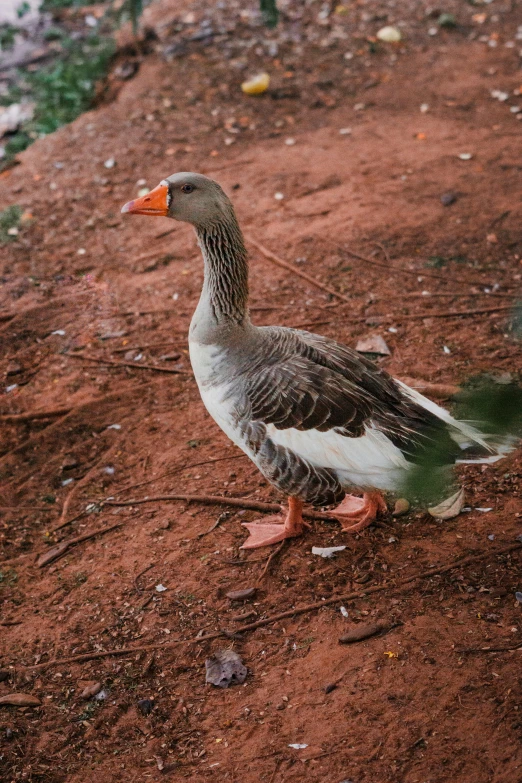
pixel 225 289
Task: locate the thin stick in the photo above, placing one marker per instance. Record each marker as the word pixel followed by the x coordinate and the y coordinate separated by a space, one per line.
pixel 446 295
pixel 56 303
pixel 28 508
pixel 169 344
pixel 147 568
pixel 283 615
pixel 268 562
pixel 179 469
pixel 78 516
pixel 401 270
pixel 219 500
pixel 33 415
pixel 60 549
pixel 489 649
pixel 398 318
pixel 447 313
pixel 134 365
pixel 295 270
pixel 309 324
pixel 33 439
pixel 62 522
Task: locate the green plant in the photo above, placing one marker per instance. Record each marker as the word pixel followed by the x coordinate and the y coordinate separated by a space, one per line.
pixel 23 9
pixel 7 36
pixel 65 89
pixel 135 11
pixel 269 12
pixel 8 578
pixel 10 219
pixel 494 409
pixel 17 143
pixel 56 5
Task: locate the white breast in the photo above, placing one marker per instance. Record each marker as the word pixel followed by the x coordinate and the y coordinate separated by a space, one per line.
pixel 217 397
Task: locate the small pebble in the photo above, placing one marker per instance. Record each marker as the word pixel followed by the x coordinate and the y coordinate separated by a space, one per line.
pixel 448 198
pixel 146 706
pixel 330 687
pixel 389 34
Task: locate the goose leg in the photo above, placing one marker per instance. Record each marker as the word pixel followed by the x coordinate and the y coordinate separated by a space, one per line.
pixel 275 528
pixel 360 512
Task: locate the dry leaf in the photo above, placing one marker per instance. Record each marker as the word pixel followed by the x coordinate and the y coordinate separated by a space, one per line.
pixel 240 595
pixel 361 632
pixel 449 508
pixel 374 343
pixel 402 506
pixel 91 690
pixel 52 554
pixel 20 700
pixel 225 668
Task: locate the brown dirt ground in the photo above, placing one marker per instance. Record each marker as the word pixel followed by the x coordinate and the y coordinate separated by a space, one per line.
pixel 426 714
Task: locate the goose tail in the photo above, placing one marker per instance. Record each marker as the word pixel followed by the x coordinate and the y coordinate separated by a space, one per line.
pixel 475 446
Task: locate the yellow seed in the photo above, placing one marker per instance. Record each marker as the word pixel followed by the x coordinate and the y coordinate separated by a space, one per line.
pixel 257 85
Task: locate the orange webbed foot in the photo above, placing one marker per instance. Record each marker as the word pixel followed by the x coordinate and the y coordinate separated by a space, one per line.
pixel 359 512
pixel 276 528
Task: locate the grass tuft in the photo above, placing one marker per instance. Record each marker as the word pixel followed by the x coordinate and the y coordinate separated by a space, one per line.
pixel 10 220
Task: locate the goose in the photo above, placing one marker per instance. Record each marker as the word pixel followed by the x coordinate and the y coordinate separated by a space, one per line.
pixel 318 419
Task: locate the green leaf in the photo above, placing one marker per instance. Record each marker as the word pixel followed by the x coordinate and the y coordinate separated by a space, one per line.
pixel 269 12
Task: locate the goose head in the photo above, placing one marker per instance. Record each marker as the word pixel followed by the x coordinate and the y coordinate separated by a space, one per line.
pixel 190 198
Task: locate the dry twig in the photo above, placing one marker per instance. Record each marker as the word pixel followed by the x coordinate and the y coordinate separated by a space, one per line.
pixel 391 267
pixel 63 522
pixel 96 402
pixel 133 365
pixel 283 615
pixel 270 559
pixel 219 500
pixel 179 469
pixel 296 271
pixel 34 415
pixel 60 549
pixel 507 648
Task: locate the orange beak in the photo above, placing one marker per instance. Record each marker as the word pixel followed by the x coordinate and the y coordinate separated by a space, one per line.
pixel 154 203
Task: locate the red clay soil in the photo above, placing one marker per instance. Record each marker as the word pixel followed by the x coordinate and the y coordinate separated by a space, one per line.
pixel 423 702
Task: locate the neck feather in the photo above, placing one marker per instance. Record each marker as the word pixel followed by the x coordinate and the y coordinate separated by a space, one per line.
pixel 226 270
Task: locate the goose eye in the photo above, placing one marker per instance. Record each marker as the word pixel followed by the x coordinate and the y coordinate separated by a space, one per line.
pixel 187 188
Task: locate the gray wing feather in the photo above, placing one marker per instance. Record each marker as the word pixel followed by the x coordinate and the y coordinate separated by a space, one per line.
pixel 310 382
